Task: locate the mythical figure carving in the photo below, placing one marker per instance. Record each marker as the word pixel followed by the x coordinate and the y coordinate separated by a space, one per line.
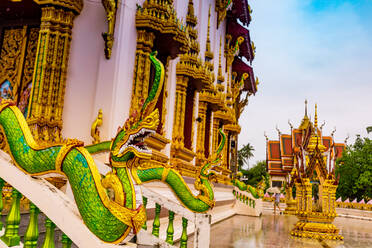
pixel 256 192
pixel 110 218
pixel 111 6
pixel 94 132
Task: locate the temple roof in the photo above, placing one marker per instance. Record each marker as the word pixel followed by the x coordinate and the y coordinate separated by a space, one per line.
pixel 240 67
pixel 236 30
pixel 242 11
pixel 307 139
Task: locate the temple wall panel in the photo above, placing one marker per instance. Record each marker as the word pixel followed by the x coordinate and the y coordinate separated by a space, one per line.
pixel 171 86
pixel 125 55
pixel 85 54
pixel 202 15
pixel 93 82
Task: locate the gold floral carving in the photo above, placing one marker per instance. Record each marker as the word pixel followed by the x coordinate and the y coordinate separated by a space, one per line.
pixel 49 78
pixel 111 7
pixel 200 139
pixel 94 132
pixel 221 9
pixel 31 49
pixel 160 16
pixel 74 5
pixel 190 64
pixel 179 113
pixel 145 42
pixel 11 60
pixel 232 50
pixel 17 61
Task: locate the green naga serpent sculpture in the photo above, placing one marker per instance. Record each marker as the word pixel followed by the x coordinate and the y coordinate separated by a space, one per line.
pixel 256 192
pixel 110 218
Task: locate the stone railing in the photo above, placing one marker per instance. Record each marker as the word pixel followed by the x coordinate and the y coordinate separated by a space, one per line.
pixel 356 205
pixel 272 199
pixel 177 214
pixel 59 209
pixel 246 204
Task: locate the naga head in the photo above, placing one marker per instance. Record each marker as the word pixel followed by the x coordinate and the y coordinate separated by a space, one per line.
pixel 129 141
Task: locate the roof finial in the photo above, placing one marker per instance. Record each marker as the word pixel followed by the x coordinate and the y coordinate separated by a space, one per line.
pixel 316 117
pixel 321 126
pixel 220 77
pixel 190 9
pixel 306 107
pixel 277 129
pixel 345 141
pixel 208 45
pixel 333 132
pixel 290 124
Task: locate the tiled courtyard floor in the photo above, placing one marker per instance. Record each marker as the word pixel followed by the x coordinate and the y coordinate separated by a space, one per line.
pixel 274 231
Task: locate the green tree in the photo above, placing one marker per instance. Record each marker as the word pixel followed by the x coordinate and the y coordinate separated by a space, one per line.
pixel 369 129
pixel 355 171
pixel 244 154
pixel 256 173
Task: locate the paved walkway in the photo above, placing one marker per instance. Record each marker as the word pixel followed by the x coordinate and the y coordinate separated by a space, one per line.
pixel 342 212
pixel 274 231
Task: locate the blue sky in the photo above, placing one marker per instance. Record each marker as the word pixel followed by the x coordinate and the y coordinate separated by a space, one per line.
pixel 316 50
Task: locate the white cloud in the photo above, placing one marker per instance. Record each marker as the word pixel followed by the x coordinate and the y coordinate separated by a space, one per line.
pixel 323 56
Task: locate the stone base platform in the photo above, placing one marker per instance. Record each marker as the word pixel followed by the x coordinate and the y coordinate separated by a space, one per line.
pixel 316 231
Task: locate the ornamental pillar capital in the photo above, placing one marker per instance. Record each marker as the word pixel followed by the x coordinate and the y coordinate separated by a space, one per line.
pixel 73 5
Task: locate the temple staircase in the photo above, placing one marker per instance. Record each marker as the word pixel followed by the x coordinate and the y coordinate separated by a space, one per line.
pixel 246 204
pixel 59 210
pixel 60 225
pixel 173 214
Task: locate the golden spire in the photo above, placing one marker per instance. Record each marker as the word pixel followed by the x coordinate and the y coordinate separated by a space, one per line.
pixel 191 18
pixel 208 53
pixel 190 8
pixel 305 121
pixel 228 80
pixel 316 117
pixel 315 140
pixel 220 77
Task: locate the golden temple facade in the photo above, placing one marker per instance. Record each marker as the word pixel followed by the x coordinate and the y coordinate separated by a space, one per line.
pixel 64 61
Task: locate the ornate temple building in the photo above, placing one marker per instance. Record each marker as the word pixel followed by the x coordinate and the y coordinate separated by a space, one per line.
pixel 113 94
pixel 287 153
pixel 63 62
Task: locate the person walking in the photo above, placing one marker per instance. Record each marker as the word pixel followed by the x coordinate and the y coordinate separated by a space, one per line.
pixel 276 203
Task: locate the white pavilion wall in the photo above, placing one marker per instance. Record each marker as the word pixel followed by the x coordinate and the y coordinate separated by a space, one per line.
pixel 94 83
pixel 85 54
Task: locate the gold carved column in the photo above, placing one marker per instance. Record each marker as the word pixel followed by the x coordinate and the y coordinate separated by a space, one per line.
pixel 299 197
pixel 225 161
pixel 202 115
pixel 308 194
pixel 179 112
pixel 49 78
pixel 332 197
pixel 145 42
pixel 216 125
